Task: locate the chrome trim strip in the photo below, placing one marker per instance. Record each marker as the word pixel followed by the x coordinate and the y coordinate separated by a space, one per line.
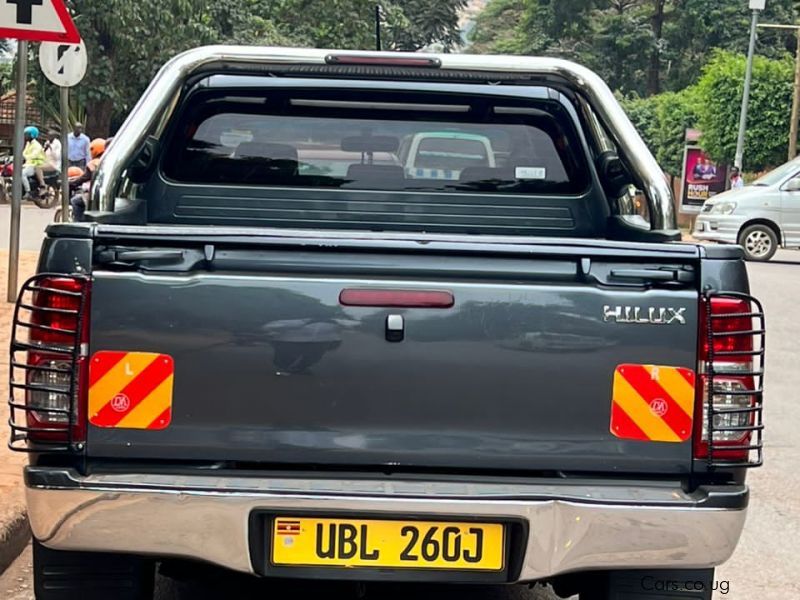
pixel 206 517
pixel 414 239
pixel 151 113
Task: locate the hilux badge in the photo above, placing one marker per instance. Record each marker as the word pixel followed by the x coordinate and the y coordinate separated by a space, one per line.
pixel 644 315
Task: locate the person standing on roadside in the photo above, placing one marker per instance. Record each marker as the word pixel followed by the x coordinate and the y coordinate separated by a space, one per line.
pixel 52 151
pixel 737 182
pixel 78 147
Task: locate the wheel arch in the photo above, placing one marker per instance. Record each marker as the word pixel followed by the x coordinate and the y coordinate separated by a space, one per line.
pixel 762 221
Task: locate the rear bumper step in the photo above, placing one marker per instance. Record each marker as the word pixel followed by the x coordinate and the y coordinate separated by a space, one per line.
pixel 572 527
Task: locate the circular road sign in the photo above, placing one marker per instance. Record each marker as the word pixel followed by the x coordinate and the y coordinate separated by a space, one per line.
pixel 63 64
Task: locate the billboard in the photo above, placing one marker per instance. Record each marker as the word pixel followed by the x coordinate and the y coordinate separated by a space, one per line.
pixel 702 179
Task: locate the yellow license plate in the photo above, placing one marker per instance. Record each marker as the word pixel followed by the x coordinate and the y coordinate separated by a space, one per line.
pixel 312 542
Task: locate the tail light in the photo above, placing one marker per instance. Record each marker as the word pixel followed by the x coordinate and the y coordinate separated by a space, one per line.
pixel 729 400
pixel 48 363
pixel 397 298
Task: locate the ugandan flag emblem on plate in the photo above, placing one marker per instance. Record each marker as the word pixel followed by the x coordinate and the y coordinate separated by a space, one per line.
pixel 130 390
pixel 653 403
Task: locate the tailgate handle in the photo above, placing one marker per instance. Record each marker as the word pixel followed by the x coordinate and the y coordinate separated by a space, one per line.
pixel 113 255
pixel 666 275
pixel 137 255
pixel 395 328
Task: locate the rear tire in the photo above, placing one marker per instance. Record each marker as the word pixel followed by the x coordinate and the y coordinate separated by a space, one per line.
pixel 49 199
pixel 67 575
pixel 759 242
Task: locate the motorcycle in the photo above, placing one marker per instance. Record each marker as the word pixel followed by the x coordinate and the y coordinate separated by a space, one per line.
pixel 5 179
pixel 48 197
pixel 75 174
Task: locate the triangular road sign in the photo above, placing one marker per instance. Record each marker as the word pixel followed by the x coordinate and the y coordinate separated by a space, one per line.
pixel 38 21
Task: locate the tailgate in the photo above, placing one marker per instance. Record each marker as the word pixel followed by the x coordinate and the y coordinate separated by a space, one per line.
pixel 271 367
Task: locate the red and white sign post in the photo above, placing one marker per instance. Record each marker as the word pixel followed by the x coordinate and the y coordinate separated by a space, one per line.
pixel 38 21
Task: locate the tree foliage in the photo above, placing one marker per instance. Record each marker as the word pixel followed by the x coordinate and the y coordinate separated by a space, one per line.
pixel 414 24
pixel 6 77
pixel 497 28
pixel 643 113
pixel 653 52
pixel 638 46
pixel 128 41
pixel 700 27
pixel 662 122
pixel 719 94
pixel 676 64
pixel 712 105
pixel 676 112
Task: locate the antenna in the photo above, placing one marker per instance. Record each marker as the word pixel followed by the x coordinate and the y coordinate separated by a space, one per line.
pixel 378 27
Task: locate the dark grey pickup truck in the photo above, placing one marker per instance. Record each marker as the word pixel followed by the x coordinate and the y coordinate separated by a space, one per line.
pixel 378 316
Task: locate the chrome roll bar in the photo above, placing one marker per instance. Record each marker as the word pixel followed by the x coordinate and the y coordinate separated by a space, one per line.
pixel 151 113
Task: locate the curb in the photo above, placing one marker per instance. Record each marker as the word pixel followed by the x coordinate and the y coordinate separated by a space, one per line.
pixel 13 539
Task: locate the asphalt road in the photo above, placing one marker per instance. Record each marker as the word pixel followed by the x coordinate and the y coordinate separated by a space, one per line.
pixel 17 584
pixel 33 220
pixel 764 565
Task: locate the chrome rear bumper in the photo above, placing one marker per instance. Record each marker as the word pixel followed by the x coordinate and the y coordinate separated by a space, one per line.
pixel 572 527
pixel 718 228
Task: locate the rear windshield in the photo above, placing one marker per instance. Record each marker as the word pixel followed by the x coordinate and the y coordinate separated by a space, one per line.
pixel 402 143
pixel 451 151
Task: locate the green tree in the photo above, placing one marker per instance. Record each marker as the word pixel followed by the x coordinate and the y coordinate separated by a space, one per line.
pixel 719 94
pixel 643 113
pixel 698 27
pixel 612 37
pixel 6 77
pixel 415 24
pixel 621 46
pixel 6 68
pixel 331 24
pixel 496 28
pixel 675 112
pixel 543 27
pixel 662 122
pixel 641 46
pixel 408 24
pixel 128 41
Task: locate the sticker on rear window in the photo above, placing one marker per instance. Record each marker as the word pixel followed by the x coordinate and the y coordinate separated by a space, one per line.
pixel 653 403
pixel 531 173
pixel 130 390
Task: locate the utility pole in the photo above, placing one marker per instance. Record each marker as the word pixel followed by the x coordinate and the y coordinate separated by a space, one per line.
pixel 16 194
pixel 756 6
pixel 795 100
pixel 795 120
pixel 378 44
pixel 64 166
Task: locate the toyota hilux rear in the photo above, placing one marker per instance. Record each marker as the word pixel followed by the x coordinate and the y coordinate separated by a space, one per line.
pixel 281 347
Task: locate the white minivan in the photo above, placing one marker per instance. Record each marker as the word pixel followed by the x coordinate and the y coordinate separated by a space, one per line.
pixel 761 217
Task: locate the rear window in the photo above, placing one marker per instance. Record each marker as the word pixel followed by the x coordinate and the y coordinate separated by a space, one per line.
pixel 443 152
pixel 400 143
